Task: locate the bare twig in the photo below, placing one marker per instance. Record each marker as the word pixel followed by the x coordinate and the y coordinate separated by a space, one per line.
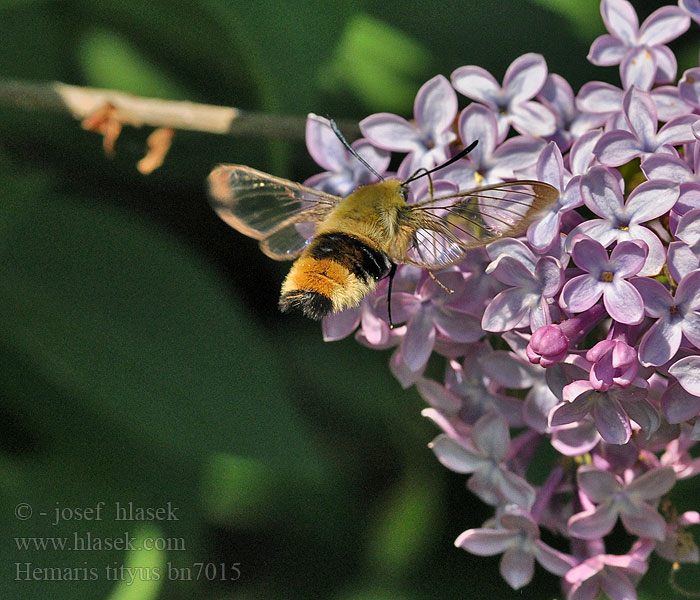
pixel 82 102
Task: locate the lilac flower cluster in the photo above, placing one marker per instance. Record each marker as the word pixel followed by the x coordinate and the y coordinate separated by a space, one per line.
pixel 585 334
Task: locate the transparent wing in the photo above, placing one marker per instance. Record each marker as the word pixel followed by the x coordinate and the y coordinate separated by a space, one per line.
pixel 446 227
pixel 278 212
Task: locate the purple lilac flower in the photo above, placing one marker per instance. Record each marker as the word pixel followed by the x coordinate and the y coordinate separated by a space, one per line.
pixel 596 358
pixel 523 80
pixel 526 303
pixel 427 141
pixel 676 317
pixel 640 52
pixel 490 479
pixel 518 538
pixel 606 277
pixel 614 575
pixel 628 501
pixel 493 160
pixel 616 148
pixel 623 221
pixel 611 411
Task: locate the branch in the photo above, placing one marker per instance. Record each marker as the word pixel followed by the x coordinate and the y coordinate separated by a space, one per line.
pixel 82 102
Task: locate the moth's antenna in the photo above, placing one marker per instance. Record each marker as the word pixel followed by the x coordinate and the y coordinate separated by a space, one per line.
pixel 418 174
pixel 350 149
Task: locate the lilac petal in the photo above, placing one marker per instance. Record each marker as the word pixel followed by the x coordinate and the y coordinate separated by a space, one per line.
pixel 688 292
pixel 653 484
pixel 599 485
pixel 476 83
pixel 340 325
pixel 550 166
pixel 611 421
pixel 438 396
pixel 510 247
pixel 576 439
pixel 617 148
pixel 660 343
pixel 657 298
pixel 506 310
pixel 690 326
pixel 689 86
pixel 594 523
pixel 618 586
pixel 602 231
pixel 666 166
pixel 517 567
pixel 557 94
pixel 576 390
pixel 543 233
pixel 688 229
pixel 687 372
pixel 601 193
pixel 640 113
pixel 419 341
pixel 532 118
pixel 569 412
pixel 516 490
pixel 550 275
pixel 621 20
pixel 589 255
pixel 677 131
pixel 552 560
pixel 455 457
pixel 323 145
pixel 678 405
pixel 390 132
pixel 478 122
pixel 435 106
pixel 486 542
pixel 511 271
pixel 681 260
pixel 580 293
pixel 628 257
pixel 516 153
pixel 606 50
pixel 644 521
pixel 692 7
pixel 650 200
pixel 668 100
pixel 598 97
pixel 643 414
pixel 666 65
pixel 638 69
pixel 491 436
pixel 524 77
pixel 458 326
pixel 663 25
pixel 581 155
pixel 656 253
pixel 485 485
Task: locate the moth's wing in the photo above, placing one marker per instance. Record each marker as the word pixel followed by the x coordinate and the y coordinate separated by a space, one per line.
pixel 280 213
pixel 444 228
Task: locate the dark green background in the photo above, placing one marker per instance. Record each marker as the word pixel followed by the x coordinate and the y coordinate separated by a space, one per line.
pixel 143 357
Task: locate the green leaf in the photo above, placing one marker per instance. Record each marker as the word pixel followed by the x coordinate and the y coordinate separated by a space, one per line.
pixel 584 16
pixel 405 525
pixel 379 63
